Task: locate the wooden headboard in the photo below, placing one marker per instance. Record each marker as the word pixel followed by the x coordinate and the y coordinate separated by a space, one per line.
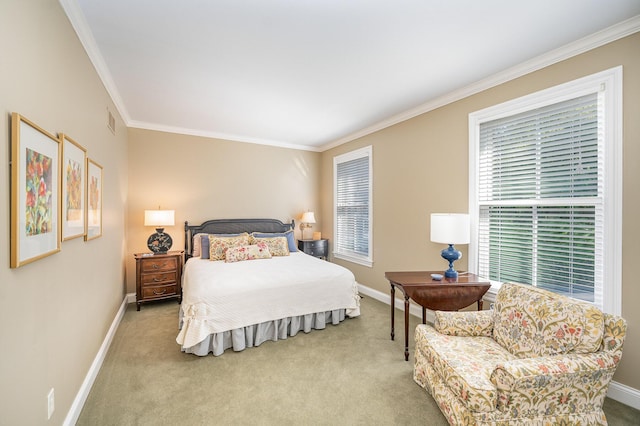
pixel 231 226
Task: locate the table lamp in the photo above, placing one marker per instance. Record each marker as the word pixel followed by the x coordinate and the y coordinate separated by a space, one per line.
pixel 160 242
pixel 306 220
pixel 450 228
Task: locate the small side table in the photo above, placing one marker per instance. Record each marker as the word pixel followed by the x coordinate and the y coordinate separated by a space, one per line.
pixel 158 276
pixel 448 294
pixel 317 248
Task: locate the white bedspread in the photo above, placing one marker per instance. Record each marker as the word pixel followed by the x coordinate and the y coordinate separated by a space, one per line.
pixel 219 296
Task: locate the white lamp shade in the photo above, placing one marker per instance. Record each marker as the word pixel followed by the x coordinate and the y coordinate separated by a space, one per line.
pixel 159 217
pixel 308 217
pixel 450 228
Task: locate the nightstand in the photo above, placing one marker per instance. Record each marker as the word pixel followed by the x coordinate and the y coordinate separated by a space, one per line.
pixel 317 248
pixel 158 276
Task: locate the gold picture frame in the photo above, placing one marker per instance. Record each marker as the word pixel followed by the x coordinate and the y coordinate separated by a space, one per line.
pixel 35 192
pixel 73 176
pixel 94 200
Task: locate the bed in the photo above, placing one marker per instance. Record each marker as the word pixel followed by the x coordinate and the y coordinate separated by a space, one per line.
pixel 241 304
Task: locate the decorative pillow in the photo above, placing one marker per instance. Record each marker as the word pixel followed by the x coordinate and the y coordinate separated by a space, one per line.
pixel 289 234
pixel 218 245
pixel 196 241
pixel 250 252
pixel 278 246
pixel 204 243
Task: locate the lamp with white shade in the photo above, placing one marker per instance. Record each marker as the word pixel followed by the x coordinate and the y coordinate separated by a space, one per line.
pixel 160 242
pixel 450 228
pixel 306 220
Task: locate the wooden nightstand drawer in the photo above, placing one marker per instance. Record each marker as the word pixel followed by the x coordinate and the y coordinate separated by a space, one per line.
pixel 316 251
pixel 152 292
pixel 158 276
pixel 161 278
pixel 317 248
pixel 151 264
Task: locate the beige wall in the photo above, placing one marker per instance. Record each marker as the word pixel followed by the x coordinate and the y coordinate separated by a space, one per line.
pixel 55 312
pixel 202 178
pixel 420 167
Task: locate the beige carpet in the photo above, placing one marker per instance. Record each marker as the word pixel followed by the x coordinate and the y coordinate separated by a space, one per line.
pixel 350 374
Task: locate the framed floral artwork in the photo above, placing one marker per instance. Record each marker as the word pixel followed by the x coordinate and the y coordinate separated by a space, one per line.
pixel 35 192
pixel 94 200
pixel 74 160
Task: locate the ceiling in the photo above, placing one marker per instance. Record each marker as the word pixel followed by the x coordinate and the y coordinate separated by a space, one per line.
pixel 311 74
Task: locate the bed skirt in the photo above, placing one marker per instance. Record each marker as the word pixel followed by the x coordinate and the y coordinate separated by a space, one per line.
pixel 253 335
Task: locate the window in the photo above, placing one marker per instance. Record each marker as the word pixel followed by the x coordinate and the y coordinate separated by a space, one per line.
pixel 352 181
pixel 545 190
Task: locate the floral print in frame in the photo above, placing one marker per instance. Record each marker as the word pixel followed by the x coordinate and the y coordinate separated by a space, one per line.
pixel 74 158
pixel 35 192
pixel 94 200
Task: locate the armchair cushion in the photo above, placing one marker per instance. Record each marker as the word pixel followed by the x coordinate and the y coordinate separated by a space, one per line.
pixel 465 363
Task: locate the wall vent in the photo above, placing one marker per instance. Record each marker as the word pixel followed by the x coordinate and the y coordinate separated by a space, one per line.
pixel 111 123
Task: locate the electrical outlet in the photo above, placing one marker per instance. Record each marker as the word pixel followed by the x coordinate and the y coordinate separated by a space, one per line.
pixel 51 405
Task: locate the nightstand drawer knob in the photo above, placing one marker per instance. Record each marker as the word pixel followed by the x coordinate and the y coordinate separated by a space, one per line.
pixel 159 293
pixel 159 265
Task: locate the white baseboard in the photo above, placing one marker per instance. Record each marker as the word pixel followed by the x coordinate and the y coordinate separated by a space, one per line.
pixel 617 391
pixel 624 394
pixel 414 309
pixel 83 393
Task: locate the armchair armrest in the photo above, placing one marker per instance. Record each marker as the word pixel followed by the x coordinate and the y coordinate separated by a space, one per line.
pixel 559 384
pixel 464 323
pixel 615 330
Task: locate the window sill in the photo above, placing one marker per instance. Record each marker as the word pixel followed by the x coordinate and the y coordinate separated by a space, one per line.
pixel 354 259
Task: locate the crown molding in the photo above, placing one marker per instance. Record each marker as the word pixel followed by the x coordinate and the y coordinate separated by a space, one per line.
pixel 216 135
pixel 600 38
pixel 79 24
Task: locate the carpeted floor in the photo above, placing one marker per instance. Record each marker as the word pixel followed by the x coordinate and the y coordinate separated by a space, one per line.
pixel 350 374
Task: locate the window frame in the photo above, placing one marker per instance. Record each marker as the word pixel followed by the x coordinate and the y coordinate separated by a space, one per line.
pixel 354 257
pixel 608 84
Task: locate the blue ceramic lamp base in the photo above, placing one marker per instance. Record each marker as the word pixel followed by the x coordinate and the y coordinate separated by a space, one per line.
pixel 450 254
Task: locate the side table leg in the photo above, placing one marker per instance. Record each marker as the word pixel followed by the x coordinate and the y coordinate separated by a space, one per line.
pixel 424 315
pixel 393 310
pixel 406 328
pixel 480 304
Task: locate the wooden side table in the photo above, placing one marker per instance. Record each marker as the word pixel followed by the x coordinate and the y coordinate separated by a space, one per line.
pixel 317 248
pixel 448 294
pixel 158 276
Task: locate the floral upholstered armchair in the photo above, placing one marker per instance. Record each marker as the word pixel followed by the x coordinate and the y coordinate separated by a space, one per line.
pixel 537 358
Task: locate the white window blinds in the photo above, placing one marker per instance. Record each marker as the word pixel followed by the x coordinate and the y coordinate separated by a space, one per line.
pixel 352 176
pixel 540 198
